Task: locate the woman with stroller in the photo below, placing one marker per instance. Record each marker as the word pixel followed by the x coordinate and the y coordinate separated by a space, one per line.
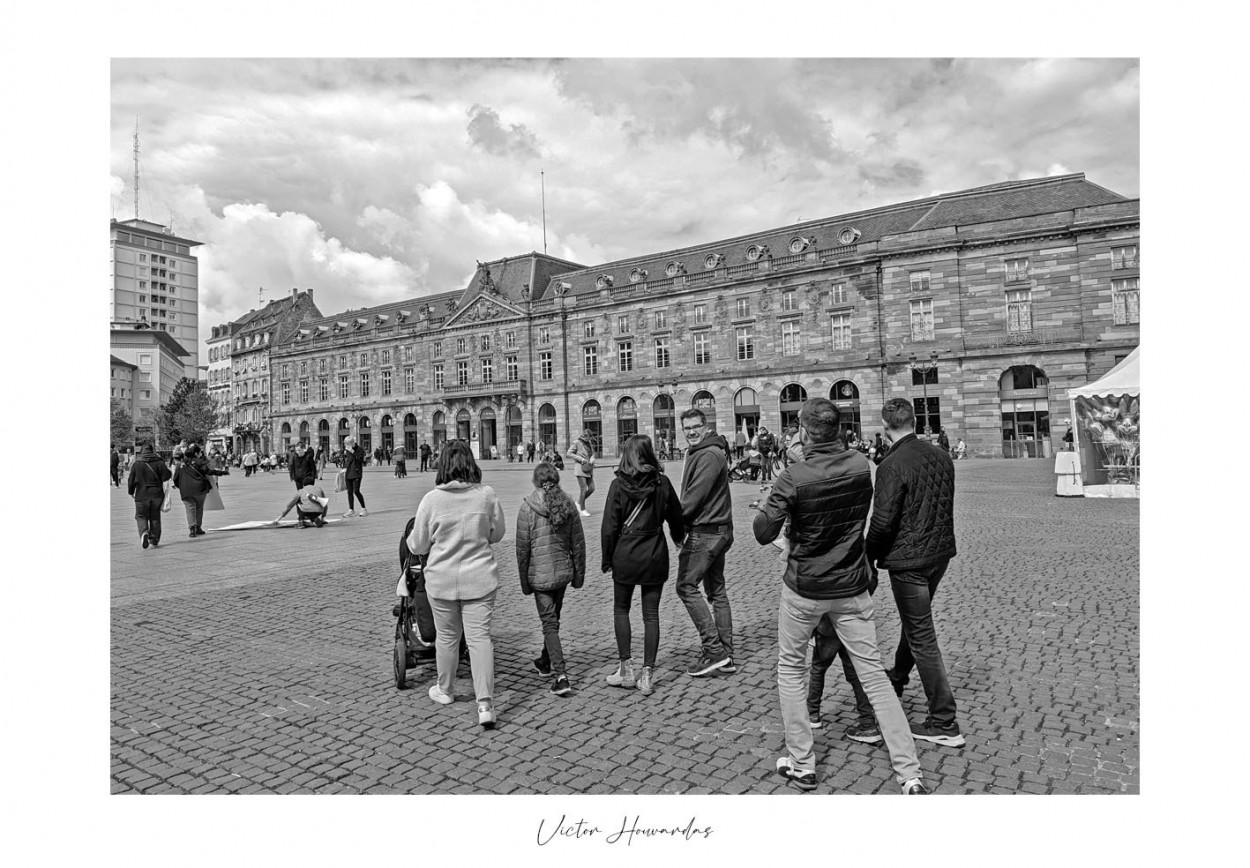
pixel 455 526
pixel 550 555
pixel 640 499
pixel 191 480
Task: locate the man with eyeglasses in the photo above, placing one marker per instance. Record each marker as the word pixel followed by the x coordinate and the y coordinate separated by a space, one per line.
pixel 708 515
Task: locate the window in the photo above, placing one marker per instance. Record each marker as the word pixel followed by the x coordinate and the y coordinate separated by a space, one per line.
pixel 145 394
pixel 928 419
pixel 264 386
pixel 488 371
pixel 1121 257
pixel 386 382
pixel 791 339
pixel 461 346
pixel 544 366
pixel 343 361
pixel 462 373
pixel 841 327
pixel 143 257
pixel 143 284
pixel 1125 301
pixel 255 389
pixel 342 385
pixel 625 355
pixel 145 358
pixel 408 353
pixel 746 343
pixel 386 357
pixel 303 391
pixel 622 325
pixel 364 359
pixel 323 389
pixel 438 376
pixel 661 319
pixel 364 384
pixel 742 307
pixel 1019 310
pixel 509 340
pixel 924 376
pixel 919 281
pixel 438 350
pixel 590 360
pixel 321 366
pixel 544 335
pixel 145 376
pixel 787 300
pixel 662 359
pixel 702 349
pixel 922 319
pixel 486 343
pixel 837 293
pixel 410 380
pixel 303 369
pixel 700 314
pixel 588 328
pixel 1016 269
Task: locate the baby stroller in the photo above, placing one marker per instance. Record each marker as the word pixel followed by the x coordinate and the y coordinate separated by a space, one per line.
pixel 745 468
pixel 414 619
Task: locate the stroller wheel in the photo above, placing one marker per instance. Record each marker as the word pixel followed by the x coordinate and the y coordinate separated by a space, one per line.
pixel 401 664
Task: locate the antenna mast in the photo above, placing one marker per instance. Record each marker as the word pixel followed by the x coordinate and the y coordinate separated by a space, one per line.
pixel 136 167
pixel 542 179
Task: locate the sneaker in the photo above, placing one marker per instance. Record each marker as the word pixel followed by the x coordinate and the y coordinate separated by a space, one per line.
pixel 561 686
pixel 437 694
pixel 899 684
pixel 948 735
pixel 485 715
pixel 542 667
pixel 804 779
pixel 155 541
pixel 915 787
pixel 815 720
pixel 623 676
pixel 708 664
pixel 864 733
pixel 585 513
pixel 363 512
pixel 644 682
pixel 349 514
pixel 730 667
pixel 145 539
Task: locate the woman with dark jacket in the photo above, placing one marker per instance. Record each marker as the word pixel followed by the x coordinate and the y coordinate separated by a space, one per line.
pixel 639 501
pixel 550 555
pixel 354 463
pixel 193 484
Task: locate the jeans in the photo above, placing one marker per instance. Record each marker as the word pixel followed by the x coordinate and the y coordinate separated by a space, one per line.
pixel 451 617
pixel 827 648
pixel 148 517
pixel 195 510
pixel 116 476
pixel 622 595
pixel 585 488
pixel 918 646
pixel 353 493
pixel 766 467
pixel 797 617
pixel 549 604
pixel 702 562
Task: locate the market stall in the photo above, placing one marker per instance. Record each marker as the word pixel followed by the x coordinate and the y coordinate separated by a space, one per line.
pixel 1107 427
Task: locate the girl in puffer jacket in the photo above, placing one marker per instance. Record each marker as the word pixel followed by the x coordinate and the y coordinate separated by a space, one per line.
pixel 551 555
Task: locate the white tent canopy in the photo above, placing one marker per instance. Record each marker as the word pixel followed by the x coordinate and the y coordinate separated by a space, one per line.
pixel 1123 379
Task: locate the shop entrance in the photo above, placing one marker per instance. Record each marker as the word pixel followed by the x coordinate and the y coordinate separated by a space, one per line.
pixel 462 426
pixel 486 433
pixel 410 435
pixel 845 396
pixel 515 430
pixel 439 431
pixel 592 420
pixel 1025 406
pixel 662 413
pixel 746 413
pixel 366 436
pixel 626 421
pixel 792 398
pixel 547 426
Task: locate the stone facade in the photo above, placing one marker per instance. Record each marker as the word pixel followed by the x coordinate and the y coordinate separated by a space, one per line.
pixel 1037 276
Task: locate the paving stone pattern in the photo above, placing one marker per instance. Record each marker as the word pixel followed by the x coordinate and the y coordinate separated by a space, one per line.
pixel 260 661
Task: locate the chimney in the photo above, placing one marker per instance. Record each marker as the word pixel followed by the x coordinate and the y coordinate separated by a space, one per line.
pixel 294 293
pixel 309 291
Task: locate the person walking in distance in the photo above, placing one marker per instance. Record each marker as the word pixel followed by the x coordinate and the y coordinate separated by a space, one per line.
pixel 640 500
pixel 354 459
pixel 826 498
pixel 425 456
pixel 146 484
pixel 912 534
pixel 115 463
pixel 550 555
pixel 583 454
pixel 707 513
pixel 764 441
pixel 191 480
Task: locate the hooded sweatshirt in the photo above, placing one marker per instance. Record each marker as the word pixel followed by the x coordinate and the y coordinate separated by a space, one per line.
pixel 638 554
pixel 705 483
pixel 548 558
pixel 147 477
pixel 456 524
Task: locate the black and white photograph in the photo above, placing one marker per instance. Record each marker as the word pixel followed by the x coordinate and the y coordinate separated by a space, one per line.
pixel 632 438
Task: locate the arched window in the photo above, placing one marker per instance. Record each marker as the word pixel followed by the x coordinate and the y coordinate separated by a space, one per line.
pixel 547 425
pixel 438 430
pixel 592 421
pixel 1023 394
pixel 845 395
pixel 746 413
pixel 626 420
pixel 462 425
pixel 792 398
pixel 703 400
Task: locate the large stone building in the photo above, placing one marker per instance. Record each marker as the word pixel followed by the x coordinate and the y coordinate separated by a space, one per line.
pixel 982 307
pixel 155 281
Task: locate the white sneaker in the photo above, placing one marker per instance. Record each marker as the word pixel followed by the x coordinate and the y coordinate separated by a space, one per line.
pixel 585 512
pixel 485 715
pixel 363 513
pixel 437 694
pixel 349 513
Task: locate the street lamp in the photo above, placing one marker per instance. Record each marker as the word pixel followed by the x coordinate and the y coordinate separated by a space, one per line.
pixel 925 369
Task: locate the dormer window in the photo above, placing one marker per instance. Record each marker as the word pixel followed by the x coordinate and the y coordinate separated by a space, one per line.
pixel 360 322
pixel 339 327
pixel 603 281
pixel 674 268
pixel 402 316
pixel 798 245
pixel 849 235
pixel 756 252
pixel 637 274
pixel 712 260
pixel 380 319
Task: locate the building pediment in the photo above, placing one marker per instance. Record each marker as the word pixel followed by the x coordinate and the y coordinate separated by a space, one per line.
pixel 483 308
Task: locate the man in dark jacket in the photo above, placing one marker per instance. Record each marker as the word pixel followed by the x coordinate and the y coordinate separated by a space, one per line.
pixel 303 466
pixel 146 484
pixel 826 499
pixel 765 443
pixel 425 456
pixel 912 535
pixel 115 463
pixel 707 511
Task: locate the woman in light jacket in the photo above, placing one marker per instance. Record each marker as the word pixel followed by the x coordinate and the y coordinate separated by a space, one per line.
pixel 456 524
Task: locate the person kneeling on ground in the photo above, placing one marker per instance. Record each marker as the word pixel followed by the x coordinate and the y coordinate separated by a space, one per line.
pixel 310 506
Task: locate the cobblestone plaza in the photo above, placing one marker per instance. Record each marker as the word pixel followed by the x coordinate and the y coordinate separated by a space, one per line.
pixel 259 661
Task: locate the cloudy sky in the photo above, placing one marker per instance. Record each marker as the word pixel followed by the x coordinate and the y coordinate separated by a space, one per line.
pixel 377 179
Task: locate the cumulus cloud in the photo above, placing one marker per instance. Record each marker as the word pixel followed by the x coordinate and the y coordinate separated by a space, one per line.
pixel 491 135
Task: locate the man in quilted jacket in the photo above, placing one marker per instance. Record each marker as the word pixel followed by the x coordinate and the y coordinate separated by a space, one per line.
pixel 912 534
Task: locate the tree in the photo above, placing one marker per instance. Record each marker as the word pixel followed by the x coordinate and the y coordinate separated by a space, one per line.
pixel 190 414
pixel 121 424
